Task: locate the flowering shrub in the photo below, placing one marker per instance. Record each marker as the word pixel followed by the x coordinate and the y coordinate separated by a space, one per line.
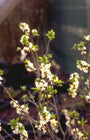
pixel 48 116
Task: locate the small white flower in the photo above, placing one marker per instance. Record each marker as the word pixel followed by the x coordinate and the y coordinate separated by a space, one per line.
pixel 30 66
pixel 87 83
pixel 80 134
pixel 24 27
pixel 74 85
pixel 81 49
pixel 1 80
pixel 16 131
pixel 24 135
pixel 54 125
pixel 22 109
pixel 68 124
pixel 14 103
pixel 42 84
pixel 26 49
pixel 83 66
pixel 73 122
pixel 30 45
pixel 87 37
pixel 45 70
pixel 23 39
pixel 45 117
pixel 87 98
pixel 83 52
pixel 0 126
pixel 35 32
pixel 23 55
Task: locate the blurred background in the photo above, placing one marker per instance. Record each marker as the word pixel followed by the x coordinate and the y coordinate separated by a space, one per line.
pixel 12 12
pixel 70 19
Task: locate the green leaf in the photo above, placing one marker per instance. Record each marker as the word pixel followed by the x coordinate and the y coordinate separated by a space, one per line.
pixel 24 97
pixel 85 134
pixel 37 122
pixel 83 96
pixel 65 99
pixel 1 72
pixel 50 35
pixel 43 59
pixel 35 32
pixel 60 82
pixel 40 107
pixel 53 116
pixel 13 122
pixel 49 55
pixel 53 62
pixel 74 47
pixel 24 40
pixel 35 48
pixel 23 88
pixel 18 49
pixel 31 96
pixel 22 128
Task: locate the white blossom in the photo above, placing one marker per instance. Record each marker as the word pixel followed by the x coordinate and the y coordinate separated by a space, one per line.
pixel 83 66
pixel 87 98
pixel 45 117
pixel 42 84
pixel 24 135
pixel 87 83
pixel 74 78
pixel 24 27
pixel 45 70
pixel 30 67
pixel 1 78
pixel 20 109
pixel 0 126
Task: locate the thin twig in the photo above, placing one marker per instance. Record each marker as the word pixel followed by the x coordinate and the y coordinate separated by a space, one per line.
pixel 49 131
pixel 8 133
pixel 30 119
pixel 89 77
pixel 58 117
pixel 1 137
pixel 47 49
pixel 37 62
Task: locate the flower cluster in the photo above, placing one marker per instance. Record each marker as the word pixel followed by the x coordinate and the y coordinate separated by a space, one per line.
pixel 27 49
pixel 77 134
pixel 26 41
pixel 46 73
pixel 45 90
pixel 41 84
pixel 45 70
pixel 20 109
pixel 83 65
pixel 70 118
pixel 74 80
pixel 18 128
pixel 81 47
pixel 45 120
pixel 29 65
